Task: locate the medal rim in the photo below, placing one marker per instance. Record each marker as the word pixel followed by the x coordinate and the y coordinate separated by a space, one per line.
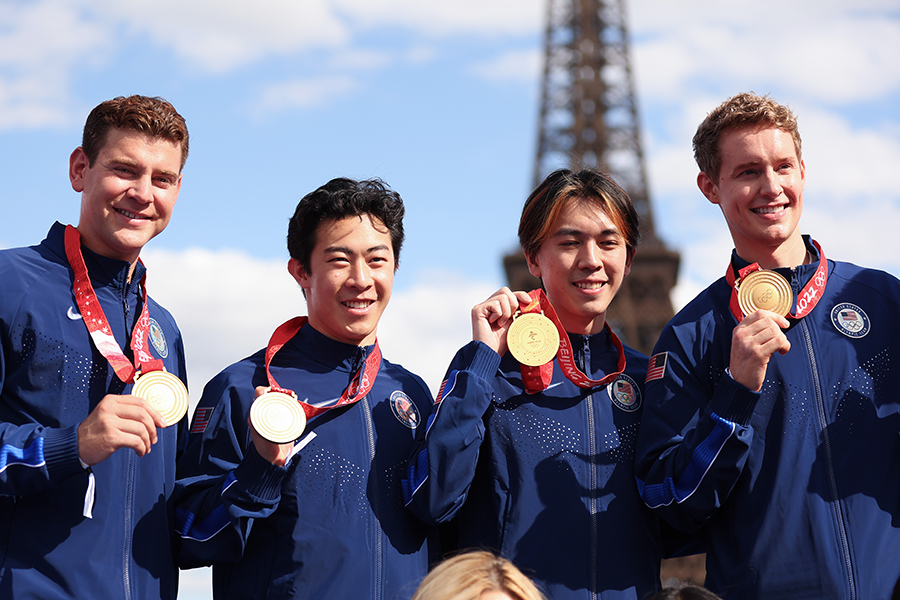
pixel 177 408
pixel 517 349
pixel 762 277
pixel 262 404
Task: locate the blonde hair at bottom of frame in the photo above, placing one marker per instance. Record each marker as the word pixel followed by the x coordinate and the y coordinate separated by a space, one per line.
pixel 467 576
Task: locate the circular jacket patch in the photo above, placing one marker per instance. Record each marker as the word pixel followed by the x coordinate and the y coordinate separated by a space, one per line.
pixel 625 393
pixel 405 409
pixel 850 320
pixel 158 338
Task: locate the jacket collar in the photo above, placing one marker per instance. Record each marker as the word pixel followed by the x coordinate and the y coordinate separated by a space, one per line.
pixel 103 271
pixel 327 352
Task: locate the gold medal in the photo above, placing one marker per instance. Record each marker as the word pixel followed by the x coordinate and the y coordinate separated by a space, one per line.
pixel 278 417
pixel 165 392
pixel 533 339
pixel 765 290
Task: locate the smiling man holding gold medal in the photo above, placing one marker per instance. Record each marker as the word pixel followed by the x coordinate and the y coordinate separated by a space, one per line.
pixel 290 485
pixel 772 414
pixel 87 461
pixel 533 449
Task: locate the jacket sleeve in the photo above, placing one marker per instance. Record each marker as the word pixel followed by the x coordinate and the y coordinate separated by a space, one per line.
pixel 223 483
pixel 35 458
pixel 442 466
pixel 32 457
pixel 695 432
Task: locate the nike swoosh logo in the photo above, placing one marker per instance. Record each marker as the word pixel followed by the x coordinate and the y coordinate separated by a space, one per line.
pixel 553 385
pixel 72 314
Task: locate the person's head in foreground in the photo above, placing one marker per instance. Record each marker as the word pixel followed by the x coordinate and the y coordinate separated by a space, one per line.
pixel 477 576
pixel 684 592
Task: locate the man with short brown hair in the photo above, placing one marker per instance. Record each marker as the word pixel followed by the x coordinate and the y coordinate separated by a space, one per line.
pixel 87 468
pixel 772 414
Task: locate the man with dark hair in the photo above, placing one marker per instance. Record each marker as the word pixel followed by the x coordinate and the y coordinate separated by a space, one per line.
pixel 772 414
pixel 532 445
pixel 84 503
pixel 318 512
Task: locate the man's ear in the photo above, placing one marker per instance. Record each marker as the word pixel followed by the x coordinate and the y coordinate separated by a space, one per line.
pixel 629 258
pixel 533 267
pixel 78 164
pixel 298 273
pixel 708 187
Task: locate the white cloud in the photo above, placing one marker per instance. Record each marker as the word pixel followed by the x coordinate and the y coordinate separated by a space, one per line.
pixel 220 35
pixel 846 162
pixel 303 93
pixel 40 45
pixel 516 65
pixel 356 60
pixel 837 52
pixel 438 17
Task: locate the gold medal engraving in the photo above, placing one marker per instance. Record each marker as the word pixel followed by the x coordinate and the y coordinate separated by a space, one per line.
pixel 765 290
pixel 533 339
pixel 278 417
pixel 165 392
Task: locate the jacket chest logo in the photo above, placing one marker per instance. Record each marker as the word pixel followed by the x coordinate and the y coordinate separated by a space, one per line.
pixel 405 409
pixel 158 338
pixel 850 320
pixel 624 393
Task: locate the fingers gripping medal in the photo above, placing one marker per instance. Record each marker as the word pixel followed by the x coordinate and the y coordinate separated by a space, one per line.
pixel 164 392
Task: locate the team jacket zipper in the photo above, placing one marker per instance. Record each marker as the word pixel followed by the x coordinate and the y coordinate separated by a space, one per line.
pixel 592 468
pixel 379 550
pixel 829 462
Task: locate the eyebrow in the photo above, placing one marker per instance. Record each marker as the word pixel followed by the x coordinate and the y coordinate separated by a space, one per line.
pixel 755 163
pixel 345 250
pixel 131 163
pixel 566 231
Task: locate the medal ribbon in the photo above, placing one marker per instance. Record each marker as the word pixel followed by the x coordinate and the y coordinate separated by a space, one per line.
pixel 95 319
pixel 806 299
pixel 360 385
pixel 537 379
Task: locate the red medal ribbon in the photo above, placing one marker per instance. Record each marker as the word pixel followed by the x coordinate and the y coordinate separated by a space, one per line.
pixel 806 299
pixel 95 319
pixel 360 385
pixel 536 379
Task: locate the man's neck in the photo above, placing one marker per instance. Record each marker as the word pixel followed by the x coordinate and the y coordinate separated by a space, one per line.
pixel 792 253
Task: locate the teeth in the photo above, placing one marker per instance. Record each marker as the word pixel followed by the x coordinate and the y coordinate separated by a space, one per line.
pixel 767 210
pixel 130 215
pixel 590 286
pixel 356 304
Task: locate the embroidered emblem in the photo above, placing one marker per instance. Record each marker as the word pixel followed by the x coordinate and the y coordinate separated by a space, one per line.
pixel 624 393
pixel 405 410
pixel 850 320
pixel 73 314
pixel 657 367
pixel 158 338
pixel 201 419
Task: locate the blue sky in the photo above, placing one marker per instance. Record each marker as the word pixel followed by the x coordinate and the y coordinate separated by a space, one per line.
pixel 439 99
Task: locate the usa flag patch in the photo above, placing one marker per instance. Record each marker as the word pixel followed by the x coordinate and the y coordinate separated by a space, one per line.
pixel 201 419
pixel 657 367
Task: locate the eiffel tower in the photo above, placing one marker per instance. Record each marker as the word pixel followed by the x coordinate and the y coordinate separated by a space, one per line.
pixel 589 118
